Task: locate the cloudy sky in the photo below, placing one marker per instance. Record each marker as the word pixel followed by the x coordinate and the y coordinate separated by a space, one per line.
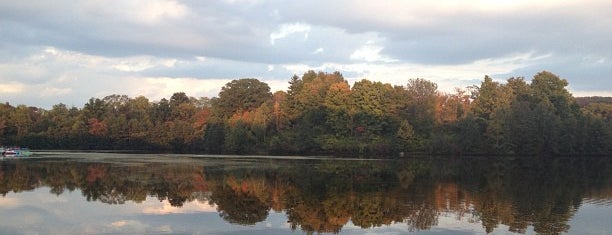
pixel 66 51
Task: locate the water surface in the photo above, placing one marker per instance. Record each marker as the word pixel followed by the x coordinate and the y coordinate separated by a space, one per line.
pixel 106 193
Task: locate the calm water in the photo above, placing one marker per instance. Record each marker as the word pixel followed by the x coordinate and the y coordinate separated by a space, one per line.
pixel 95 193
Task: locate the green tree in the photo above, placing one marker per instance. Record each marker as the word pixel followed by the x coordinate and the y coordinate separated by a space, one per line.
pixel 341 108
pixel 20 119
pixel 138 117
pixel 161 111
pixel 239 139
pixel 241 95
pixel 308 125
pixel 178 98
pixel 310 92
pixel 421 106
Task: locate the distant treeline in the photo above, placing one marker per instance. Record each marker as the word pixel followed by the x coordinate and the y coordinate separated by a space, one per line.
pixel 584 101
pixel 321 113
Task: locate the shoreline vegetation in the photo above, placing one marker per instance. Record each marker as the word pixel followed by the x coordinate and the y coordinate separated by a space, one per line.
pixel 321 114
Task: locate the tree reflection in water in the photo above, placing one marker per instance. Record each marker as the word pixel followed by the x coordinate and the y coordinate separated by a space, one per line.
pixel 324 195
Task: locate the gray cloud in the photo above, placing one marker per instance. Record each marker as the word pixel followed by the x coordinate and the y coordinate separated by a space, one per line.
pixel 461 33
pixel 271 40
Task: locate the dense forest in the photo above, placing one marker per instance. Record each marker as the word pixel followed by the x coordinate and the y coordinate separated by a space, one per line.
pixel 321 113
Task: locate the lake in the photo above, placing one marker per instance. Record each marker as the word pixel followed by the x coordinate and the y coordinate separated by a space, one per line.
pixel 112 193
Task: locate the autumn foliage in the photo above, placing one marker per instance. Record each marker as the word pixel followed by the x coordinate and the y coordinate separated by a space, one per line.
pixel 321 113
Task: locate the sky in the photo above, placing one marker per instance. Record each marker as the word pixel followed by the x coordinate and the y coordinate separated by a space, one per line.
pixel 66 51
pixel 37 211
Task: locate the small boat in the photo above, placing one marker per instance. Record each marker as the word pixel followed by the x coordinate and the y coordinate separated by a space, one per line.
pixel 15 151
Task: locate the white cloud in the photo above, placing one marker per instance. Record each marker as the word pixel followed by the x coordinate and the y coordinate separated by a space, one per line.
pixel 156 88
pixel 141 11
pixel 370 52
pixel 402 15
pixel 133 66
pixel 285 30
pixel 10 202
pixel 127 226
pixel 169 62
pixel 578 93
pixel 509 63
pixel 119 223
pixel 141 63
pixel 164 207
pixel 594 60
pixel 12 87
pixel 73 51
pixel 448 77
pixel 275 14
pixel 67 76
pixel 50 61
pixel 154 11
pixel 518 5
pixel 54 91
pixel 244 2
pixel 278 84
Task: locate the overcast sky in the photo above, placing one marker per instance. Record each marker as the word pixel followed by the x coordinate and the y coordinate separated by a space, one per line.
pixel 66 51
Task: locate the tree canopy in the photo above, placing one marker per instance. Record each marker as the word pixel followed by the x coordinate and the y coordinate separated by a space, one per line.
pixel 321 113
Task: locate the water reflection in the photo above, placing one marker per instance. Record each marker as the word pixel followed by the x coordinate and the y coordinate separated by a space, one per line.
pixel 519 195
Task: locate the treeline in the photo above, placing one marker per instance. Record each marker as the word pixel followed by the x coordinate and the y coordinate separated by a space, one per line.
pixel 321 113
pixel 584 101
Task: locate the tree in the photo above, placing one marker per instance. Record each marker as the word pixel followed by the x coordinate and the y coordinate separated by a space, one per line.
pixel 322 113
pixel 406 137
pixel 486 99
pixel 139 119
pixel 560 110
pixel 307 113
pixel 375 115
pixel 341 109
pixel 452 107
pixel 178 98
pixel 374 98
pixel 309 93
pixel 214 138
pixel 239 139
pixel 421 106
pixel 20 119
pixel 60 119
pixel 241 95
pixel 281 117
